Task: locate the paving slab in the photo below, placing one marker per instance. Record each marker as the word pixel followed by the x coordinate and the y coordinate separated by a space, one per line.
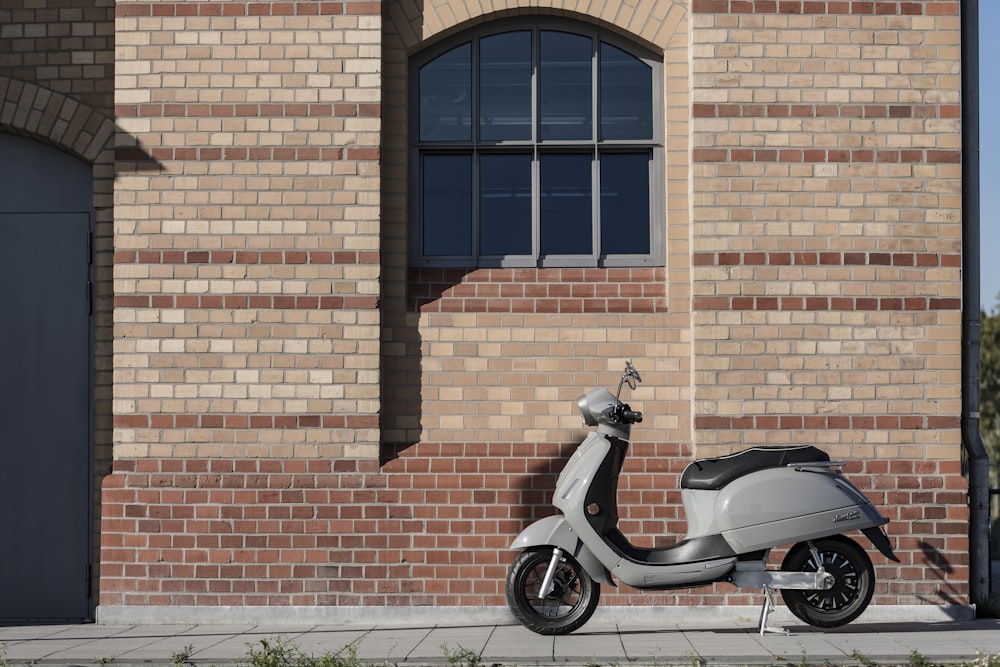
pixel 127 644
pixel 187 640
pixel 728 646
pixel 38 650
pixel 328 639
pixel 226 645
pixel 513 644
pixel 12 633
pixel 586 644
pixel 391 644
pixel 656 645
pixel 989 643
pixel 880 647
pixel 797 647
pixel 60 642
pixel 455 640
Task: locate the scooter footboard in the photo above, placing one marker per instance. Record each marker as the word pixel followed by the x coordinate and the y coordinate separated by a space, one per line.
pixel 553 531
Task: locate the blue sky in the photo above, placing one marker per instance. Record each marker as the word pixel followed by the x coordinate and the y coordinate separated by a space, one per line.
pixel 989 160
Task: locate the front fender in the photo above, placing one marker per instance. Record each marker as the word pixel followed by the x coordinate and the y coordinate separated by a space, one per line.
pixel 553 531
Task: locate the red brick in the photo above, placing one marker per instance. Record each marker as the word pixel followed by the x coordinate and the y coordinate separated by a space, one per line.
pixel 709 6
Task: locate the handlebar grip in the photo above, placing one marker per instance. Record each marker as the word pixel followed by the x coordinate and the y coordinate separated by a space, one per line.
pixel 631 417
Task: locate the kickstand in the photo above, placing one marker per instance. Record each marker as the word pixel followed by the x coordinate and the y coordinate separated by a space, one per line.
pixel 765 611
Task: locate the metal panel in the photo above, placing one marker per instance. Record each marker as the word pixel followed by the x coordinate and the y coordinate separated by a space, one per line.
pixel 45 353
pixel 36 177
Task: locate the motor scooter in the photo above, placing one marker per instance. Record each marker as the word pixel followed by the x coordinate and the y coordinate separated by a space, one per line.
pixel 738 508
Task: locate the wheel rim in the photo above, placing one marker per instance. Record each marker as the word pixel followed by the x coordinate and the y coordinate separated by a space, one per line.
pixel 566 595
pixel 847 582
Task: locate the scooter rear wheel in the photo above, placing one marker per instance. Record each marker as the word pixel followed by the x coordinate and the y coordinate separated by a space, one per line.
pixel 852 589
pixel 570 604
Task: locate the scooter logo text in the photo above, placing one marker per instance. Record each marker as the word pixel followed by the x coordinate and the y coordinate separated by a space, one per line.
pixel 854 514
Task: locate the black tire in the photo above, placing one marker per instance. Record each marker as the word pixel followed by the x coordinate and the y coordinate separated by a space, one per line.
pixel 570 604
pixel 852 589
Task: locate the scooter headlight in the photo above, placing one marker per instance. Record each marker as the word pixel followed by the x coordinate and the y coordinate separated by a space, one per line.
pixel 596 406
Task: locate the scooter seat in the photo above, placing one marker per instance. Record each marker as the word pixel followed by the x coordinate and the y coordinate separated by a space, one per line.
pixel 713 474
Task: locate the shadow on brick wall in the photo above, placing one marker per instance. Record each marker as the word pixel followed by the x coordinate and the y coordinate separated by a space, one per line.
pixel 426 290
pixel 941 569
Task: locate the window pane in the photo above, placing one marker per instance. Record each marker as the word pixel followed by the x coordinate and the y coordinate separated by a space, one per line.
pixel 626 95
pixel 446 96
pixel 505 86
pixel 447 205
pixel 625 204
pixel 566 205
pixel 505 204
pixel 566 86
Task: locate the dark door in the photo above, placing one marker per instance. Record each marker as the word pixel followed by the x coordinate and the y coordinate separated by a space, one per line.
pixel 45 352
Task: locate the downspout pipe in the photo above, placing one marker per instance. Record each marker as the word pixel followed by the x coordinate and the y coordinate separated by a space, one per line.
pixel 972 441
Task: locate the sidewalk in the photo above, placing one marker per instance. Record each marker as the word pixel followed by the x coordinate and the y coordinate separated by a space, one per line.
pixel 915 644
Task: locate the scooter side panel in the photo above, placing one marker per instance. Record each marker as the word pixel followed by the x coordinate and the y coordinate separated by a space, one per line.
pixel 579 470
pixel 553 531
pixel 797 529
pixel 699 509
pixel 571 492
pixel 781 505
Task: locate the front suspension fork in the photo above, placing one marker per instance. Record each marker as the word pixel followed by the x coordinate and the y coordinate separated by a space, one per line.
pixel 548 581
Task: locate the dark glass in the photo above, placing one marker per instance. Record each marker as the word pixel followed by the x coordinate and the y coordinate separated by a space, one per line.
pixel 566 204
pixel 625 204
pixel 566 92
pixel 505 204
pixel 446 96
pixel 505 87
pixel 626 95
pixel 447 205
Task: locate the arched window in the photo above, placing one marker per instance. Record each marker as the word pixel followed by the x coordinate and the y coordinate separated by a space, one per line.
pixel 536 144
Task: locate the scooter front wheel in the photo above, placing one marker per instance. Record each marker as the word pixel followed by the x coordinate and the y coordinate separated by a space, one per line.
pixel 854 582
pixel 571 603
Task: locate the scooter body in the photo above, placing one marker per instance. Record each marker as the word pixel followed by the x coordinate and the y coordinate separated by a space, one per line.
pixel 737 507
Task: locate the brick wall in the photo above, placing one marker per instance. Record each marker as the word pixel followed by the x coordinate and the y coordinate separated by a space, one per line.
pixel 247 281
pixel 247 254
pixel 302 419
pixel 826 253
pixel 429 528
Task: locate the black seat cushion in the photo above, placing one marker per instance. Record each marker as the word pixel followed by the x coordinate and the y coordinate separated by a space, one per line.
pixel 713 474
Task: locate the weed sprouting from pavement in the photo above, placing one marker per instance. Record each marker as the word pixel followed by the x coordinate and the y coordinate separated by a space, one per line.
pixel 862 659
pixel 919 660
pixel 463 657
pixel 985 659
pixel 279 651
pixel 180 657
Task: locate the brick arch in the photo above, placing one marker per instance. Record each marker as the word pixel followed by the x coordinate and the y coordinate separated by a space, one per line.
pixel 33 111
pixel 654 22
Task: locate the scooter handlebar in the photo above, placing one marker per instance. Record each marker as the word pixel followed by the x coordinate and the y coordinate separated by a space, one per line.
pixel 626 415
pixel 631 417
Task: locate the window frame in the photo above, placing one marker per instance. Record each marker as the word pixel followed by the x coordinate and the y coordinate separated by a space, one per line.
pixel 595 146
